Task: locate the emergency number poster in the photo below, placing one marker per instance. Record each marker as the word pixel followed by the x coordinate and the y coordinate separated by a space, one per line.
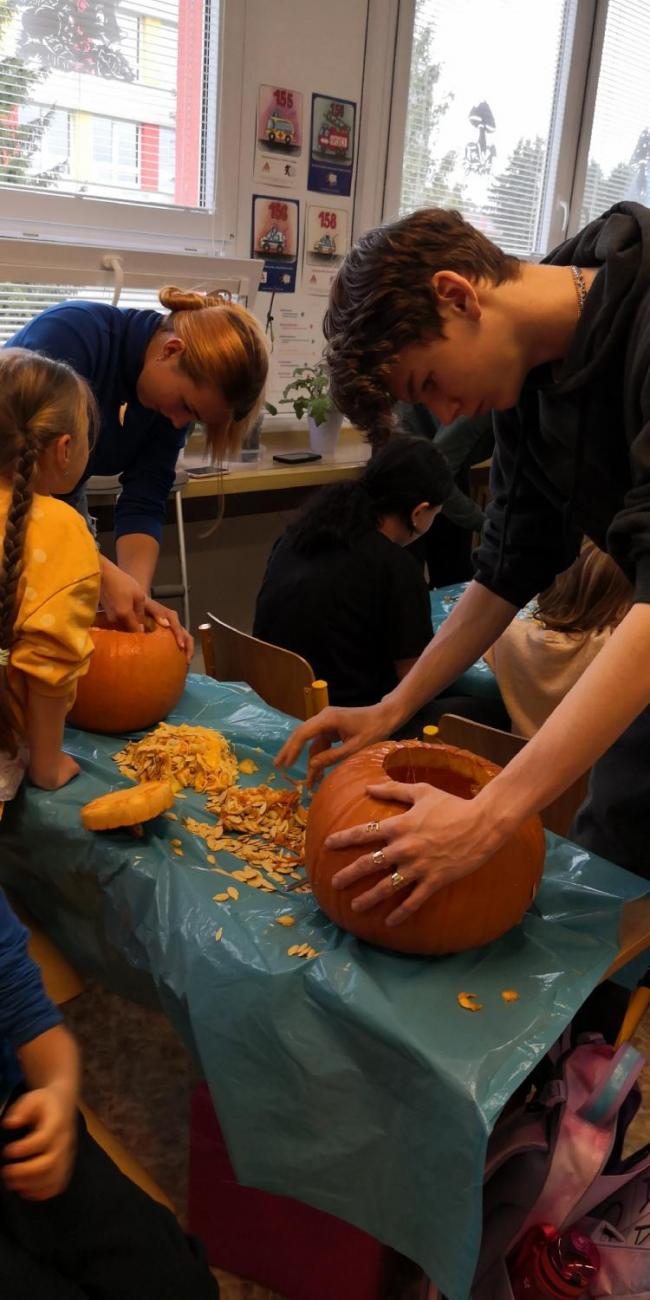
pixel 278 142
pixel 331 145
pixel 275 239
pixel 327 240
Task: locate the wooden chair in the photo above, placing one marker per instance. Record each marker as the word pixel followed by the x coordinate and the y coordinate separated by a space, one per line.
pixel 283 679
pixel 500 747
pixel 62 984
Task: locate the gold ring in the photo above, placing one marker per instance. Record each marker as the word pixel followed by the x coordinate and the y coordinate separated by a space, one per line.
pixel 397 880
pixel 372 828
pixel 378 857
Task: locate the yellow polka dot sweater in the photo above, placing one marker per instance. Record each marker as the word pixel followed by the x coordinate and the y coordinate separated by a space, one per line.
pixel 57 599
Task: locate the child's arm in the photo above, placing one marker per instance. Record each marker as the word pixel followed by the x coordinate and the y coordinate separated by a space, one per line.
pixel 49 766
pixel 39 1164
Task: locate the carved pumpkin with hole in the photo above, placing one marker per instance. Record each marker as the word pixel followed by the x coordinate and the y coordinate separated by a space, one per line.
pixel 465 914
pixel 134 680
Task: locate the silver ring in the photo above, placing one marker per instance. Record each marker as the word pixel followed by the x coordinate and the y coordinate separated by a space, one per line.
pixel 372 828
pixel 378 857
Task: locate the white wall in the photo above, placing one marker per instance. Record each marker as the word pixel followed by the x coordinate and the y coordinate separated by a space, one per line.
pixel 338 47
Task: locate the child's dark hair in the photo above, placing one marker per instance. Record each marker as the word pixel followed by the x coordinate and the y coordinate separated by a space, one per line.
pixel 593 594
pixel 382 299
pixel 40 400
pixel 406 471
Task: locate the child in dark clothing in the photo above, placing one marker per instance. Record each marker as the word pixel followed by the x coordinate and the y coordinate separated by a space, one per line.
pixel 340 588
pixel 72 1227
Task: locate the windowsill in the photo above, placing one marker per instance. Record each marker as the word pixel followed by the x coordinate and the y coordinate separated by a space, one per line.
pixel 265 474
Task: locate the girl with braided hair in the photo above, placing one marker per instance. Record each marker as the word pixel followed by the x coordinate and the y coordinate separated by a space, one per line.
pixel 152 374
pixel 49 575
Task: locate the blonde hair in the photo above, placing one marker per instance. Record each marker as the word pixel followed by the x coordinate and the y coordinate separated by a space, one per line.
pixel 225 347
pixel 593 594
pixel 40 399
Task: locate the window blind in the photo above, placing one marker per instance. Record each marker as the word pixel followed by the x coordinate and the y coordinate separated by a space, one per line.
pixel 19 303
pixel 109 100
pixel 619 153
pixel 481 110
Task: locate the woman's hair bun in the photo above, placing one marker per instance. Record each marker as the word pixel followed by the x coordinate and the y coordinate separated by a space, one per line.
pixel 188 299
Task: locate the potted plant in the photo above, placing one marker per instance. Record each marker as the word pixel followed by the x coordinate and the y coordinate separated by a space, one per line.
pixel 308 393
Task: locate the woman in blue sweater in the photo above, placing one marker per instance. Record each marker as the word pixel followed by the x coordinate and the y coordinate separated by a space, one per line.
pixel 152 375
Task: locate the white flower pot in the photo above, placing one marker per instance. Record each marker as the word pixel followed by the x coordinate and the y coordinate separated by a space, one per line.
pixel 324 437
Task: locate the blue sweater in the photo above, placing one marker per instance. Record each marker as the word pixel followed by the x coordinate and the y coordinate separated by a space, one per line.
pixel 25 1009
pixel 107 345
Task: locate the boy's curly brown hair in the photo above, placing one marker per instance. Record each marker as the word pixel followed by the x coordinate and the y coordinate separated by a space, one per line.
pixel 382 299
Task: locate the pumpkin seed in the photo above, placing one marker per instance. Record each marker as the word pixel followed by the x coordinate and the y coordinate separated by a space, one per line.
pixel 469 1002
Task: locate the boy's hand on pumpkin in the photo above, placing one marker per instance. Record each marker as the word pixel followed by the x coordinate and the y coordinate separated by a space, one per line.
pixel 354 728
pixel 440 839
pixel 169 618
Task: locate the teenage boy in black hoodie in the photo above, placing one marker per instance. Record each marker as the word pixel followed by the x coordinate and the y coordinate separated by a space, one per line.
pixel 429 310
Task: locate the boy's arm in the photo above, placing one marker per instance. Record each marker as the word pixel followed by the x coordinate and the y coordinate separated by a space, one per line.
pixel 611 693
pixel 442 838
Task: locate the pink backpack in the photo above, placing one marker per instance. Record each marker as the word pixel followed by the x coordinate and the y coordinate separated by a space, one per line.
pixel 558 1159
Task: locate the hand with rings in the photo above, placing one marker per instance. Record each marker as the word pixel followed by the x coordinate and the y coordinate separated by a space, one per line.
pixel 437 840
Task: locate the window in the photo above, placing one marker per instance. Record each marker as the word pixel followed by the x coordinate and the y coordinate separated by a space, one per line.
pixel 45 135
pixel 480 126
pixel 110 101
pixel 619 148
pixel 532 128
pixel 114 154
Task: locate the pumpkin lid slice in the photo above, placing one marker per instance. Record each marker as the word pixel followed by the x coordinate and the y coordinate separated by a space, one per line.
pixel 130 807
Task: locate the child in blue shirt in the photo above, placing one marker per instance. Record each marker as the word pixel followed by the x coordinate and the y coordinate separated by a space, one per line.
pixel 72 1226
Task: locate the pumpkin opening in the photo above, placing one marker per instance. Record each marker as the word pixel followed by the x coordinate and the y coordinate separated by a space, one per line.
pixel 430 766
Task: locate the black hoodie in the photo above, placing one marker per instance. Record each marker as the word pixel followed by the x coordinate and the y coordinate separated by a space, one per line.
pixel 574 456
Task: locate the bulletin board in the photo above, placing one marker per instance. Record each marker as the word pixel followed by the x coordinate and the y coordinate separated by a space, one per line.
pixel 301 108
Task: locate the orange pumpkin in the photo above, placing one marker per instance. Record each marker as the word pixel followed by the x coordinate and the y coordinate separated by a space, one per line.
pixel 465 914
pixel 134 680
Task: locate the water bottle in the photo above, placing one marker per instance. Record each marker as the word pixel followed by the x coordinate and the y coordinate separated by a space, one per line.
pixel 551 1265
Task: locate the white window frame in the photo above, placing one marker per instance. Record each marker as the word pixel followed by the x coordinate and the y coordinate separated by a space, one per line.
pixel 24 262
pixel 60 218
pixel 569 143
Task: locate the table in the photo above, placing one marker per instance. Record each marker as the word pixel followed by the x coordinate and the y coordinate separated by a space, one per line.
pixel 354 1081
pixel 479 679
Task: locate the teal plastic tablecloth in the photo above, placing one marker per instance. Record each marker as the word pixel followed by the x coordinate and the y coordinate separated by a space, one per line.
pixel 479 679
pixel 353 1081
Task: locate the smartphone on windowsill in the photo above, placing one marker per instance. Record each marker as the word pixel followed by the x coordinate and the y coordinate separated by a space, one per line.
pixel 297 457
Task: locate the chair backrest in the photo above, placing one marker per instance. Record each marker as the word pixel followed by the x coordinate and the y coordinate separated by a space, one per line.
pixel 500 747
pixel 283 679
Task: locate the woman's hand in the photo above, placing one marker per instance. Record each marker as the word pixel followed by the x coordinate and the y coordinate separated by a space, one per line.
pixel 127 605
pixel 39 1164
pixel 122 598
pixel 355 728
pixel 166 617
pixel 439 839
